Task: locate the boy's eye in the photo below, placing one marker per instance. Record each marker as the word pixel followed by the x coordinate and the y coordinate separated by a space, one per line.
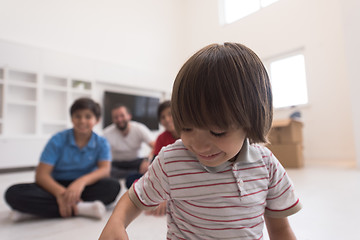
pixel 217 134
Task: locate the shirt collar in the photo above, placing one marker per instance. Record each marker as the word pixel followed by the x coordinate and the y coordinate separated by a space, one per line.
pixel 91 143
pixel 247 153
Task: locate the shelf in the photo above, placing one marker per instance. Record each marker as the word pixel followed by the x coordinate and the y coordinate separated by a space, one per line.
pixel 20 120
pixel 22 102
pixel 81 85
pixel 52 81
pixel 55 88
pixel 16 93
pixel 20 76
pixel 33 104
pixel 17 83
pixel 54 107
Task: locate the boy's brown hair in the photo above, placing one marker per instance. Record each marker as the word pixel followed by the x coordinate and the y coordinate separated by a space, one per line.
pixel 164 105
pixel 222 86
pixel 86 103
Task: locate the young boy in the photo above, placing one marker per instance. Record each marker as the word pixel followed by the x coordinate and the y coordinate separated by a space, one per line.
pixel 72 177
pixel 218 183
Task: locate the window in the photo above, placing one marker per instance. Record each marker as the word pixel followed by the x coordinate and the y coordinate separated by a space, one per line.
pixel 288 80
pixel 233 10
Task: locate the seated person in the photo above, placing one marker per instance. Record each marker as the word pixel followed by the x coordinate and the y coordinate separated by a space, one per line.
pixel 125 138
pixel 169 136
pixel 72 178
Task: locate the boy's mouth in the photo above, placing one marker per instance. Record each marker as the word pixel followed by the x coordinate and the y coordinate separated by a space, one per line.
pixel 209 156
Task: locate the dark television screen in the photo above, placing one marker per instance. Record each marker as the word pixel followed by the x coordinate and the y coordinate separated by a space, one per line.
pixel 143 109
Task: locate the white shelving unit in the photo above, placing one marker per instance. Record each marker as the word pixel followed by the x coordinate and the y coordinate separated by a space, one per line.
pixel 42 100
pixel 19 102
pixel 37 87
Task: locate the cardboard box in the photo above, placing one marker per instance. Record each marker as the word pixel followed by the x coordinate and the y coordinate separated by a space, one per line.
pixel 286 131
pixel 286 142
pixel 290 155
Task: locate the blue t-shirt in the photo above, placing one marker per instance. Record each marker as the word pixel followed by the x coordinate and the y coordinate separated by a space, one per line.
pixel 69 161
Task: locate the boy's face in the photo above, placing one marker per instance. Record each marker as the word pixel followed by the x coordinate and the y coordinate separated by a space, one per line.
pixel 83 121
pixel 213 147
pixel 166 120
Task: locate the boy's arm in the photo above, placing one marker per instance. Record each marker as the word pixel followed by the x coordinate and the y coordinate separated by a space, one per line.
pixel 75 189
pixel 44 179
pixel 124 213
pixel 279 228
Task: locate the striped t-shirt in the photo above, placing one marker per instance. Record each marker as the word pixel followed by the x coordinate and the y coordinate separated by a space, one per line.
pixel 225 202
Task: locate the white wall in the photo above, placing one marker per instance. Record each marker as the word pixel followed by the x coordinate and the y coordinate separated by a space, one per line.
pixel 351 20
pixel 288 25
pixel 142 35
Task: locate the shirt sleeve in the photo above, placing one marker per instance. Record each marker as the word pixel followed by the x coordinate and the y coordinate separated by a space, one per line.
pixel 105 151
pixel 51 152
pixel 158 145
pixel 281 199
pixel 146 133
pixel 153 187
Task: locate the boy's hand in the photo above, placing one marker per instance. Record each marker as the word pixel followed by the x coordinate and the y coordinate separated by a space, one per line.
pixel 73 192
pixel 65 209
pixel 144 166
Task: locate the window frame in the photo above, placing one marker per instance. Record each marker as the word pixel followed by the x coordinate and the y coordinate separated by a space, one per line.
pixel 267 63
pixel 222 13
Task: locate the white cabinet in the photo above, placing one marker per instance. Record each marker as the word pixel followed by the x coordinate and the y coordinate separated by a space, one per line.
pixel 53 110
pixel 37 104
pixel 19 102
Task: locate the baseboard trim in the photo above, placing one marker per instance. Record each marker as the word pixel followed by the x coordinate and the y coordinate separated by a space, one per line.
pixel 17 169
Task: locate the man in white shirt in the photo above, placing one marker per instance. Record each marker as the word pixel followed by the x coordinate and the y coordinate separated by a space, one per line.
pixel 125 138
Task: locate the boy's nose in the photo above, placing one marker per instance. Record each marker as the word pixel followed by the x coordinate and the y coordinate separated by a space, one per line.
pixel 200 141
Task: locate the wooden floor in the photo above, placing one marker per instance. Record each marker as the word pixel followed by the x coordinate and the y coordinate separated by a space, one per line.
pixel 330 198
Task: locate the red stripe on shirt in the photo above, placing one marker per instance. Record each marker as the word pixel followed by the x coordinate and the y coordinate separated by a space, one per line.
pixel 236 206
pixel 278 182
pixel 287 189
pixel 140 199
pixel 205 185
pixel 217 229
pixel 153 169
pixel 220 221
pixel 182 174
pixel 274 210
pixel 176 149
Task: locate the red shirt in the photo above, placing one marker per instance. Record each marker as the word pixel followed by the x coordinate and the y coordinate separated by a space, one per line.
pixel 163 140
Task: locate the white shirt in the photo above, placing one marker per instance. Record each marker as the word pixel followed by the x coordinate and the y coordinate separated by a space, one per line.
pixel 224 202
pixel 127 148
